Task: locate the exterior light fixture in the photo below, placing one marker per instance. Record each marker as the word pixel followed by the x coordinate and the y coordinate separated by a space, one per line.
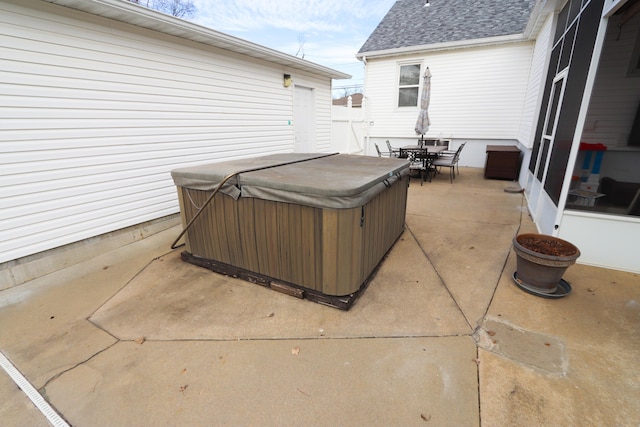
pixel 286 82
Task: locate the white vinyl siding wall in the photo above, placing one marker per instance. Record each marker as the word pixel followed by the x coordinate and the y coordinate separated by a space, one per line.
pixel 535 87
pixel 476 93
pixel 94 114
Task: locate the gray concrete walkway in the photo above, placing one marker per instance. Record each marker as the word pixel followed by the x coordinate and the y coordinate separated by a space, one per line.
pixel 441 336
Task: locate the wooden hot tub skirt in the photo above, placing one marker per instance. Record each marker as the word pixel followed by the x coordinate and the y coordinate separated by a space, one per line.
pixel 343 302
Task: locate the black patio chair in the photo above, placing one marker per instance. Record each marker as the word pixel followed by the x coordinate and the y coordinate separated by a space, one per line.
pixel 450 162
pixel 418 165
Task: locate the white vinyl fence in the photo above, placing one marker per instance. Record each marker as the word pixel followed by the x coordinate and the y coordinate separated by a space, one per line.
pixel 348 129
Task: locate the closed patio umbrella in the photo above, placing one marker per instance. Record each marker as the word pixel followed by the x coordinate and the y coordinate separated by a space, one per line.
pixel 423 122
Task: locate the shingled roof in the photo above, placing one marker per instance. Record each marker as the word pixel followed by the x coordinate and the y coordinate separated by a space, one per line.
pixel 410 23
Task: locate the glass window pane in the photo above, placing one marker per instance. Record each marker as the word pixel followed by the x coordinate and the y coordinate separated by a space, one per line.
pixel 408 97
pixel 409 75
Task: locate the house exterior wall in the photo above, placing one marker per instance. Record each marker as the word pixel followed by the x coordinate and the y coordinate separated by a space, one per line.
pixel 96 113
pixel 604 240
pixel 477 93
pixel 535 86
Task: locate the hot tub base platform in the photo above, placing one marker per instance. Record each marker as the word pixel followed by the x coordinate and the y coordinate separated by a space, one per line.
pixel 343 302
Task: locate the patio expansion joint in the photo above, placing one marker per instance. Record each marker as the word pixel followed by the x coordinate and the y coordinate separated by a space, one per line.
pixel 478 382
pixel 127 283
pixel 268 339
pixel 504 265
pixel 424 252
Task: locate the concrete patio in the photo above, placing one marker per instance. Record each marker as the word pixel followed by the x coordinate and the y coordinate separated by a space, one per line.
pixel 441 336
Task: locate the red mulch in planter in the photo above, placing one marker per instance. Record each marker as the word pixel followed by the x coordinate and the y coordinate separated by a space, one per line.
pixel 547 246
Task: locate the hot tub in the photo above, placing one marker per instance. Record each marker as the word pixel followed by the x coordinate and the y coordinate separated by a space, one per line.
pixel 310 225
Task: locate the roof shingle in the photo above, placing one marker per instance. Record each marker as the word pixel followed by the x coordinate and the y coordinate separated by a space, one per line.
pixel 409 23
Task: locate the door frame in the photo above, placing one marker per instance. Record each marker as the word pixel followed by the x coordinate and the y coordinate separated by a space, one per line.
pixel 304 120
pixel 538 192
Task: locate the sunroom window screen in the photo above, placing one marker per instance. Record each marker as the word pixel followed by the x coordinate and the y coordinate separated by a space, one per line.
pixel 574 42
pixel 585 37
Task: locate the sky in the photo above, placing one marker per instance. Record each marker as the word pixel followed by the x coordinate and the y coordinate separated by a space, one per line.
pixel 327 32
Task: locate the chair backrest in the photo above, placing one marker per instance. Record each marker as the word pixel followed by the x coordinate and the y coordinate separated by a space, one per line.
pixel 458 151
pixel 378 150
pixel 389 146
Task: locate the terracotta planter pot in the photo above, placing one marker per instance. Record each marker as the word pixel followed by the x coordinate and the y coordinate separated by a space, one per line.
pixel 543 259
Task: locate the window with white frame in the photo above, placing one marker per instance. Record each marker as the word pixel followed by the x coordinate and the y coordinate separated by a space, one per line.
pixel 408 85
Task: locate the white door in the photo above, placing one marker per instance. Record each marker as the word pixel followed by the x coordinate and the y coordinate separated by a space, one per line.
pixel 304 120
